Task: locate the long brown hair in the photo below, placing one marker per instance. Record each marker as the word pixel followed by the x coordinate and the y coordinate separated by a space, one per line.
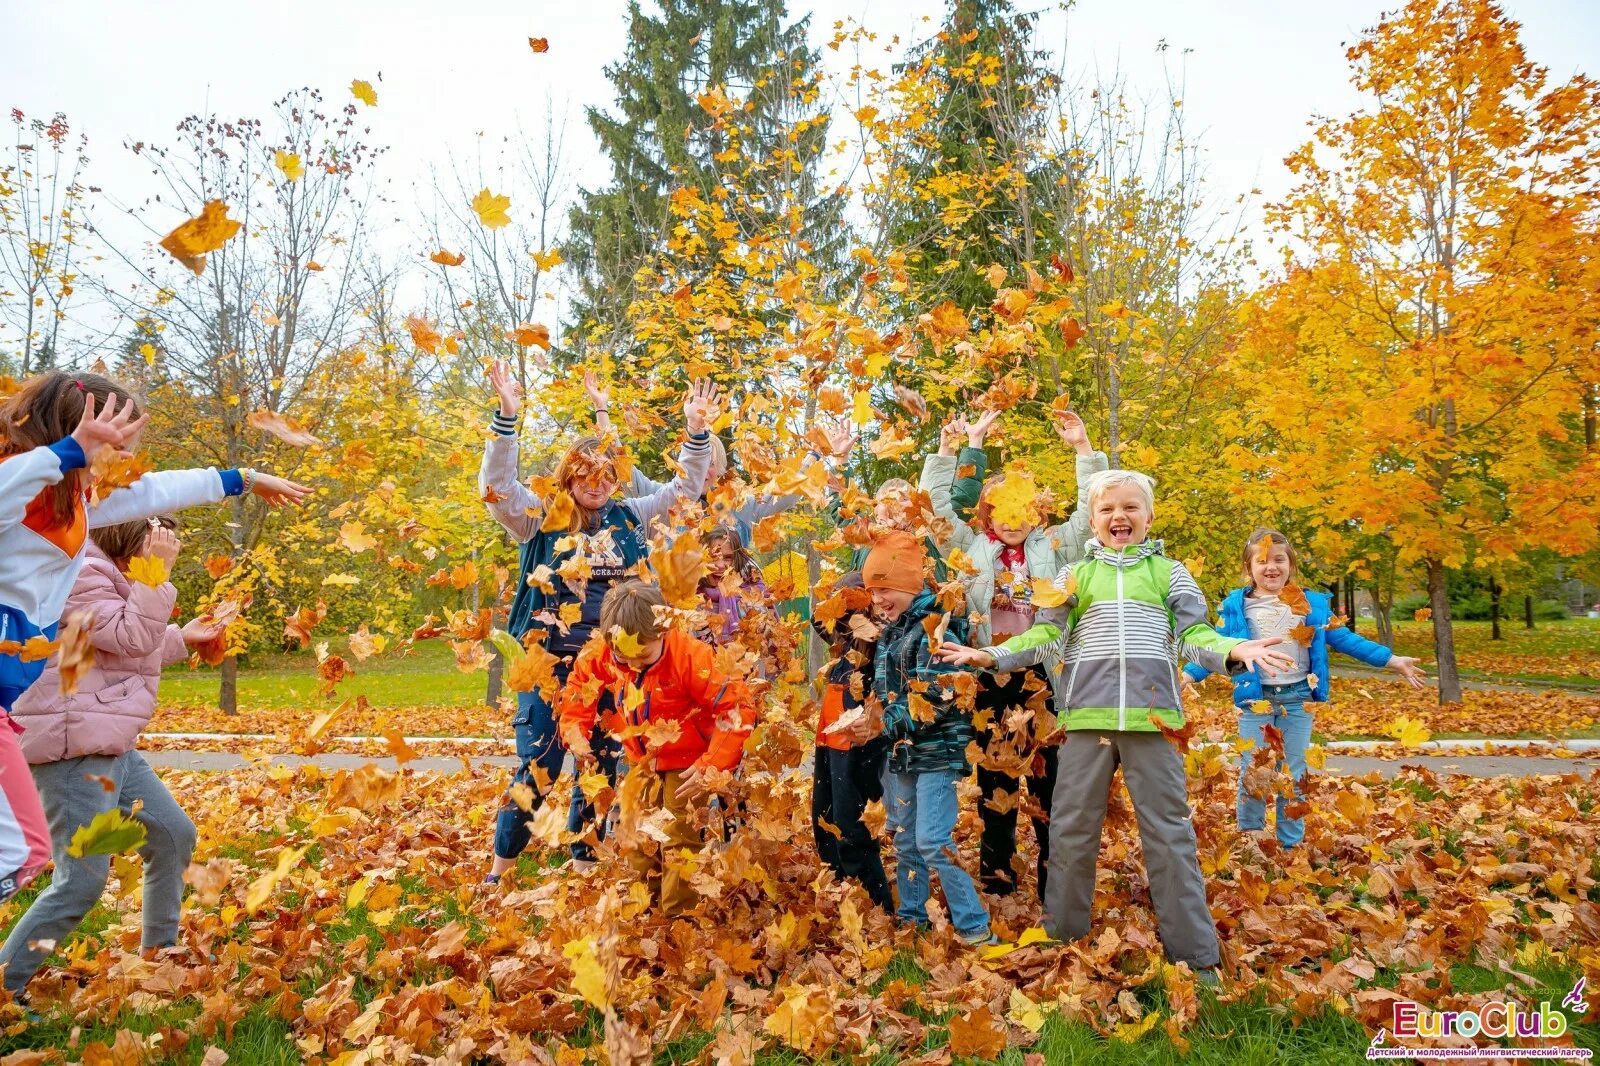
pixel 124 540
pixel 47 408
pixel 739 560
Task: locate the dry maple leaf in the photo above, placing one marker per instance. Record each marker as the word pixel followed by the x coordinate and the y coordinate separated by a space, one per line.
pixel 679 569
pixel 218 566
pixel 112 470
pixel 363 91
pixel 977 1035
pixel 540 45
pixel 300 624
pixel 207 232
pixel 912 401
pixel 449 259
pixel 1294 598
pixel 528 334
pixel 76 650
pixel 1072 332
pixel 285 429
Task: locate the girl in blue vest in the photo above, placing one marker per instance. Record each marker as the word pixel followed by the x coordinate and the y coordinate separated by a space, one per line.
pixel 607 532
pixel 1272 605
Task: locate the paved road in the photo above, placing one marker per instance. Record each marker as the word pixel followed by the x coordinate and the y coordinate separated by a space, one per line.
pixel 1472 765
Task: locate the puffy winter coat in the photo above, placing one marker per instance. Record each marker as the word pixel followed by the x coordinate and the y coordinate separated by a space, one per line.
pixel 714 712
pixel 133 639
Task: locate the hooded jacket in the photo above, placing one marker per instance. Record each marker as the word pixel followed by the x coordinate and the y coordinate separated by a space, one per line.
pixel 1247 683
pixel 714 712
pixel 1137 612
pixel 133 639
pixel 611 549
pixel 902 668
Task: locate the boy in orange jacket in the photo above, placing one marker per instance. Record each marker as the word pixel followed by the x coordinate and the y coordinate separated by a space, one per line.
pixel 657 676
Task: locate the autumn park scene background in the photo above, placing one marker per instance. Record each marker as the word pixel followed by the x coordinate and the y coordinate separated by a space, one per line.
pixel 859 232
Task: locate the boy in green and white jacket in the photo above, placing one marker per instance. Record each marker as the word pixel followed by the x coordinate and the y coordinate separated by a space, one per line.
pixel 1132 614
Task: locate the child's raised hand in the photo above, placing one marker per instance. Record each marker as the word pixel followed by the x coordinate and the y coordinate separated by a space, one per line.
pixel 1071 430
pixel 961 655
pixel 978 430
pixel 950 434
pixel 162 543
pixel 599 395
pixel 113 425
pixel 1258 653
pixel 1409 668
pixel 506 387
pixel 700 405
pixel 841 438
pixel 277 491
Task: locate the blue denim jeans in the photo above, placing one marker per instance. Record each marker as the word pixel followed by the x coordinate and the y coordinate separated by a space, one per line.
pixel 922 816
pixel 539 753
pixel 608 754
pixel 1289 716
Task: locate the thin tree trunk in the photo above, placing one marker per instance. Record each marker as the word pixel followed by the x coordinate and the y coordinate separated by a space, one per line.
pixel 1527 611
pixel 1350 600
pixel 1444 637
pixel 228 691
pixel 1494 610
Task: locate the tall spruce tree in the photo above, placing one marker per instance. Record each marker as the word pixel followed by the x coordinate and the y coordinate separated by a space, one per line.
pixel 981 168
pixel 660 137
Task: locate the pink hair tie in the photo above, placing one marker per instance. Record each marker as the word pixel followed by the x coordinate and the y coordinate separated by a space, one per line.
pixel 78 385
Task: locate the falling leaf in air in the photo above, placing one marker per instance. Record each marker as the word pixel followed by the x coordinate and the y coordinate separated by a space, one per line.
pixel 108 833
pixel 449 259
pixel 363 91
pixel 547 260
pixel 540 45
pixel 289 163
pixel 206 232
pixel 493 211
pixel 285 429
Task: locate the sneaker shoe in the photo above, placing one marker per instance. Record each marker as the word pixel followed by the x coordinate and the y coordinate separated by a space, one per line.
pixel 981 940
pixel 1211 978
pixel 491 879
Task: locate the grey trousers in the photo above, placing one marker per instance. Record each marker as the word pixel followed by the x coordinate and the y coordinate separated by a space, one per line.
pixel 1153 770
pixel 72 799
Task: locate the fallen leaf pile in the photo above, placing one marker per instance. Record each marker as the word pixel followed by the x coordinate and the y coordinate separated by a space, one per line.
pixel 348 902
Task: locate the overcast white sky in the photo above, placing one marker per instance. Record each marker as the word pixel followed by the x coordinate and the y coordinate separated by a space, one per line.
pixel 1255 70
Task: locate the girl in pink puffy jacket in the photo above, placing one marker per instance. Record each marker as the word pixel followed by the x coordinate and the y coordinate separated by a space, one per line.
pixel 81 747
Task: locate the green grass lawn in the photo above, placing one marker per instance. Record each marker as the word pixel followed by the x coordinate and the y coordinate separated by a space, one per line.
pixel 1539 654
pixel 425 678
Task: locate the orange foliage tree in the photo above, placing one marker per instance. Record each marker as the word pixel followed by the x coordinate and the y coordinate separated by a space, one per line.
pixel 1422 363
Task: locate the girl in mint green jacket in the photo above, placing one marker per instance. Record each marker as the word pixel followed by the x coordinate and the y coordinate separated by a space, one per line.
pixel 1130 612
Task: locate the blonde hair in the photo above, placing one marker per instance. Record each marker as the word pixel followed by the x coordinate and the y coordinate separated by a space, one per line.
pixel 893 485
pixel 1105 480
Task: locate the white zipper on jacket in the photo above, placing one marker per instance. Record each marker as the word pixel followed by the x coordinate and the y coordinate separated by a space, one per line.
pixel 1122 654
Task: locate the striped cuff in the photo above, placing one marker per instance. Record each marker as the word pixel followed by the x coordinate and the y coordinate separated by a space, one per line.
pixel 503 425
pixel 703 438
pixel 70 454
pixel 232 482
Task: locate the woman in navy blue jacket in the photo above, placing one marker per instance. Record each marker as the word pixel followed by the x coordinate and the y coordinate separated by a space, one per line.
pixel 1273 605
pixel 569 558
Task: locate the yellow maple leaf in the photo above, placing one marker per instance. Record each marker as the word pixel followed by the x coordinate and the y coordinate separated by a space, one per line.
pixel 1015 501
pixel 493 211
pixel 147 570
pixel 363 91
pixel 355 539
pixel 1410 732
pixel 262 887
pixel 289 163
pixel 588 977
pixel 108 833
pixel 206 232
pixel 148 350
pixel 861 414
pixel 547 260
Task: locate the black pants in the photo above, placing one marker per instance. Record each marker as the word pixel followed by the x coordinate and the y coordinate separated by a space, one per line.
pixel 997 847
pixel 843 783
